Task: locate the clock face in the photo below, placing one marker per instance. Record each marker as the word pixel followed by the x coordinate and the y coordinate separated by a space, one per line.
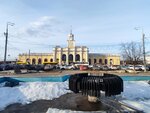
pixel 71 38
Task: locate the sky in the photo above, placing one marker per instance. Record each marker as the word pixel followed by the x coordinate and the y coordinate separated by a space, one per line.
pixel 102 25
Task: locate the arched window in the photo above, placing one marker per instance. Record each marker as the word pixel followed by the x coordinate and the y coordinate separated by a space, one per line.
pixel 89 61
pixel 83 60
pixel 39 61
pixel 51 60
pixel 106 61
pixel 45 60
pixel 95 61
pixel 100 61
pixel 63 57
pixel 33 61
pixel 28 60
pixel 77 57
pixel 70 58
pixel 57 60
pixel 111 62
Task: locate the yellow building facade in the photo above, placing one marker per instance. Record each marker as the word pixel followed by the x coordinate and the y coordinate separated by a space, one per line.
pixel 104 59
pixel 70 54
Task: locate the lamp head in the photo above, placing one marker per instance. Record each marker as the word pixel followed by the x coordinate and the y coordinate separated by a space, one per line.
pixel 11 24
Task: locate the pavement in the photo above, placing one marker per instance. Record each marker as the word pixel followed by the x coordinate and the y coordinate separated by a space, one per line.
pixel 70 101
pixel 24 73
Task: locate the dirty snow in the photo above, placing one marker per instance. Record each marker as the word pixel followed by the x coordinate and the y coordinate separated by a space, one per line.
pixel 136 93
pixel 31 91
pixel 53 110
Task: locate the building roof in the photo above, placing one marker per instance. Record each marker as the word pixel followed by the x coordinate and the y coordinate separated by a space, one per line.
pixel 32 54
pixel 103 54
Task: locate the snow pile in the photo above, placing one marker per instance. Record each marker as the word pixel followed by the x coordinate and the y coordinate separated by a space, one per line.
pixel 53 110
pixel 2 84
pixel 136 90
pixel 31 91
pixel 137 94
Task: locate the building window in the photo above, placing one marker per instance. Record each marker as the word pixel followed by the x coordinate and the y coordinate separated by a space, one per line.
pixel 89 61
pixel 77 57
pixel 57 60
pixel 70 58
pixel 100 61
pixel 95 61
pixel 28 60
pixel 39 61
pixel 51 60
pixel 106 62
pixel 33 61
pixel 111 62
pixel 83 60
pixel 63 57
pixel 45 60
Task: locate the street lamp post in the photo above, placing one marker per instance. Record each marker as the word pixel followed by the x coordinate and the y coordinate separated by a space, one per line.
pixel 144 56
pixel 6 34
pixel 143 44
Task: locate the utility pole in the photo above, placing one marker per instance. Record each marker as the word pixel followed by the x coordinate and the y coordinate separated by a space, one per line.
pixel 29 56
pixel 6 34
pixel 144 56
pixel 143 44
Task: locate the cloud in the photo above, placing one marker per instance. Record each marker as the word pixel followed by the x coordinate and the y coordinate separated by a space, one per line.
pixel 43 27
pixel 37 36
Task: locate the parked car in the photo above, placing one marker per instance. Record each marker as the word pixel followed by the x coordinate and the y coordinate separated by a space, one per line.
pixel 6 67
pixel 49 67
pixel 30 67
pixel 62 67
pixel 67 67
pixel 148 67
pixel 2 68
pixel 123 67
pixel 141 68
pixel 95 68
pixel 90 67
pixel 39 67
pixel 105 68
pixel 114 67
pixel 130 67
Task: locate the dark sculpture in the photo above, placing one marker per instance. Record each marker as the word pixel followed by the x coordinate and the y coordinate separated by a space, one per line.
pixel 11 83
pixel 93 85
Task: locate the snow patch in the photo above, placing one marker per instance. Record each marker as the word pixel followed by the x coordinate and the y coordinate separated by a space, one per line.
pixel 31 91
pixel 53 110
pixel 137 94
pixel 136 90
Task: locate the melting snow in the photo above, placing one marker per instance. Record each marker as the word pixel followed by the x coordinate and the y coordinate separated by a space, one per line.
pixel 31 91
pixel 136 93
pixel 52 110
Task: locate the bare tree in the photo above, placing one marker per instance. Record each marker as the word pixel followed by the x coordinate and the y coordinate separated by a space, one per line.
pixel 131 52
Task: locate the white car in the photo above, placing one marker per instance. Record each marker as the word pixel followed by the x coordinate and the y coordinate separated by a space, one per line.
pixel 130 67
pixel 141 67
pixel 69 67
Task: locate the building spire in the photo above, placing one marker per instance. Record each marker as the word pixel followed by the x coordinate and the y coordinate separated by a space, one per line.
pixel 71 29
pixel 71 36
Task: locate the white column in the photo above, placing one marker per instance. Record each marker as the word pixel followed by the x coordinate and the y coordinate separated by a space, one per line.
pixel 54 54
pixel 67 57
pixel 81 57
pixel 74 55
pixel 60 56
pixel 87 57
